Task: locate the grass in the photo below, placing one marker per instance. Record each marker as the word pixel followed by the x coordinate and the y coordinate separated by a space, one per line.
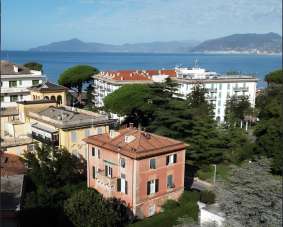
pixel 185 208
pixel 222 172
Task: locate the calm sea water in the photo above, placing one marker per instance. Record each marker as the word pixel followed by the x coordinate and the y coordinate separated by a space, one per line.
pixel 56 63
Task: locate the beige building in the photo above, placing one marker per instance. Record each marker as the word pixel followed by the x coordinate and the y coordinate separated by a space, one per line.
pixel 66 127
pixel 49 91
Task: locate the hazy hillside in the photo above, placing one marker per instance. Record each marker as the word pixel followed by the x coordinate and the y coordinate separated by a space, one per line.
pixel 268 43
pixel 253 43
pixel 76 45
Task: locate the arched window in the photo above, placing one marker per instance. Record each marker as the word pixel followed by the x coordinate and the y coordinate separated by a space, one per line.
pixel 59 99
pixel 53 98
pixel 46 97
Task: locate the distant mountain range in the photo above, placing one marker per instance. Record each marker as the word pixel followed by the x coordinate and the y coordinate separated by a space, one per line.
pixel 270 43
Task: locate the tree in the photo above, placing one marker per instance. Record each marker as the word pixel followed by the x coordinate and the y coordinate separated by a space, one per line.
pixel 251 196
pixel 275 77
pixel 88 208
pixel 269 130
pixel 237 107
pixel 53 167
pixel 34 66
pixel 76 76
pixel 132 101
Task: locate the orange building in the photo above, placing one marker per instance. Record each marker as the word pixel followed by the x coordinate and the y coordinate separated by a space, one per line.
pixel 140 168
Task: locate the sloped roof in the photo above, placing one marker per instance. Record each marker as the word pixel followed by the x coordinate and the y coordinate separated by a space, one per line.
pixel 7 68
pixel 11 165
pixel 48 87
pixel 142 145
pixel 136 75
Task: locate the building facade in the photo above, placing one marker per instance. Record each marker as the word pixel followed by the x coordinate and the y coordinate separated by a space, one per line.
pixel 66 127
pixel 140 168
pixel 105 83
pixel 15 81
pixel 220 88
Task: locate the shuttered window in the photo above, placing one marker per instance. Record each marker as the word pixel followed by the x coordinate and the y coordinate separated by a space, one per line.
pixel 152 186
pixel 93 172
pixel 170 159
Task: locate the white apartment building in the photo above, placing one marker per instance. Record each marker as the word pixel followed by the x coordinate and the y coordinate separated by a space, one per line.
pixel 15 81
pixel 220 87
pixel 105 83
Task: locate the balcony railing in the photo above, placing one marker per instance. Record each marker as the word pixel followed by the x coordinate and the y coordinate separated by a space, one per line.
pixel 14 90
pixel 212 90
pixel 109 182
pixel 239 89
pixel 45 140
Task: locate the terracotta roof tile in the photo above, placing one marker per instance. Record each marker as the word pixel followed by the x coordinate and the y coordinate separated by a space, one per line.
pixel 142 145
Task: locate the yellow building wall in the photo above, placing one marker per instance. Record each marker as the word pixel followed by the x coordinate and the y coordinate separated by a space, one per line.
pixel 41 95
pixel 78 147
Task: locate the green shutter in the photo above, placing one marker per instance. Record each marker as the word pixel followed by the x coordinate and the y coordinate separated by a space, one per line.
pixel 119 184
pixel 167 160
pixel 148 187
pixel 156 185
pixel 126 187
pixel 175 158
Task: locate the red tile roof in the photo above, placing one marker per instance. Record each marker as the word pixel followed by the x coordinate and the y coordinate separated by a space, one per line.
pixel 11 165
pixel 134 75
pixel 143 145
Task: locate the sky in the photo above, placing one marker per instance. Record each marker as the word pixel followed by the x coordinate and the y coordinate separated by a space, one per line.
pixel 30 23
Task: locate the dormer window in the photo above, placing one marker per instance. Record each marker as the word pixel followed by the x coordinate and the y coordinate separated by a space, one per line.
pixel 129 139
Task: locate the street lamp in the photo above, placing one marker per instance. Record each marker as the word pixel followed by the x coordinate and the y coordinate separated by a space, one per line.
pixel 214 176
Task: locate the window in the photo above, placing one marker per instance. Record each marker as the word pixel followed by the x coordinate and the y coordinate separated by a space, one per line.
pixel 122 184
pixel 13 98
pixel 108 171
pixel 13 83
pixel 219 95
pixel 228 86
pixel 74 136
pixel 218 111
pixel 152 163
pixel 152 186
pixel 93 172
pixel 35 82
pixel 219 102
pixel 2 98
pixel 20 82
pixel 170 183
pixel 98 153
pixel 220 86
pixel 122 162
pixel 170 159
pixel 99 130
pixel 93 151
pixel 87 132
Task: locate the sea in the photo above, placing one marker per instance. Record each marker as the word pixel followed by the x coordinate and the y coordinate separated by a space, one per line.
pixel 54 63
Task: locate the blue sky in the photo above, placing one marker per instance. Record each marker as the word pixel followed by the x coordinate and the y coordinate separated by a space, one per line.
pixel 29 23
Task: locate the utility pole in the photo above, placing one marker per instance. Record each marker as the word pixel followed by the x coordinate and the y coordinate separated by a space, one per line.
pixel 214 175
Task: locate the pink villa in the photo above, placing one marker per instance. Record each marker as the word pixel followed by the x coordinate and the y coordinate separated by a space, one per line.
pixel 140 168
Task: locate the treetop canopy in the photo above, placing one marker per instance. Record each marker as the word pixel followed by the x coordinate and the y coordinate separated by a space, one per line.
pixel 275 77
pixel 78 74
pixel 33 66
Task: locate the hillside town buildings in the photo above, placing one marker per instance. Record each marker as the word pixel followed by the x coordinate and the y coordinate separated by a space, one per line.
pixel 141 168
pixel 15 81
pixel 220 87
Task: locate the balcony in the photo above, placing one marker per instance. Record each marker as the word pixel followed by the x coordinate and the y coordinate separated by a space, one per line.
pixel 239 89
pixel 212 90
pixel 53 141
pixel 14 90
pixel 110 183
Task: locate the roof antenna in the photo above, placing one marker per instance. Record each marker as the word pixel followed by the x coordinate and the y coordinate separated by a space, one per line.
pixel 196 63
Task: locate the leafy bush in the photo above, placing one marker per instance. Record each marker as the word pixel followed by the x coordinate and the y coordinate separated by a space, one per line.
pixel 207 197
pixel 170 204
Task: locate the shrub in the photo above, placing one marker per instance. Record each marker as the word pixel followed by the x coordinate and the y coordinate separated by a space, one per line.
pixel 207 197
pixel 170 204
